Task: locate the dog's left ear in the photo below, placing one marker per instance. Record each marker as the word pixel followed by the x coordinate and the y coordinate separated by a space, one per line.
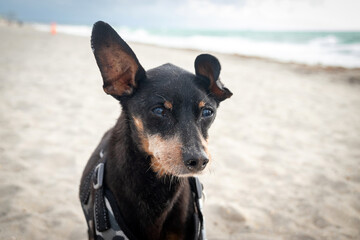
pixel 209 67
pixel 119 67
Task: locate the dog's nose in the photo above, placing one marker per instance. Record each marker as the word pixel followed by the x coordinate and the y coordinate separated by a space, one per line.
pixel 196 164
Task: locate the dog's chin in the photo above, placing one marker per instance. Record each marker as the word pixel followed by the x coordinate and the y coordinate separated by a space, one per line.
pixel 176 171
pixel 192 174
pixel 188 173
pixel 183 173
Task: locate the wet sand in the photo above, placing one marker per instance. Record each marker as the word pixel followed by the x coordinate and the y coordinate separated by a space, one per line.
pixel 285 147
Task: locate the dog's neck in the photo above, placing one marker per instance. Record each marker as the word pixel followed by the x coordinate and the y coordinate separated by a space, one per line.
pixel 145 200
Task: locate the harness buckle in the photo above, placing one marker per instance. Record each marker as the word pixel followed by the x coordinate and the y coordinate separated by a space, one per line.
pixel 98 176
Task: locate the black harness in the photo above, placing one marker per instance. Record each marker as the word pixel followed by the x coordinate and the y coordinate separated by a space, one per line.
pixel 103 216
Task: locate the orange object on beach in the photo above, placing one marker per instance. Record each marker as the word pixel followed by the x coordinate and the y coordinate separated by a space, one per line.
pixel 53 28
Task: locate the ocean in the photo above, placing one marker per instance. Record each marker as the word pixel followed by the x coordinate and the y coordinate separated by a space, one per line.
pixel 327 48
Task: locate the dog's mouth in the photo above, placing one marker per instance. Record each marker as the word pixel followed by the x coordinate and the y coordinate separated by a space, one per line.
pixel 162 168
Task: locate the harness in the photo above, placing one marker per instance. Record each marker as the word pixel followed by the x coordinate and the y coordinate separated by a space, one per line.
pixel 103 216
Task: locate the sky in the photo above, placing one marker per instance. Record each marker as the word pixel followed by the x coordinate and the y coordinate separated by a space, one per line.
pixel 197 14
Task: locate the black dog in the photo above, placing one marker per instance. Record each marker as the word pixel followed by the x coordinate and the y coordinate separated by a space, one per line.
pixel 138 183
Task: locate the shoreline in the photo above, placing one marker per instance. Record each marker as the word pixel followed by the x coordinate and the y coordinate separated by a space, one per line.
pixel 261 58
pixel 320 67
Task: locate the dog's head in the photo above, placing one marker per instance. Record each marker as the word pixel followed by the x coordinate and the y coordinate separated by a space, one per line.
pixel 169 109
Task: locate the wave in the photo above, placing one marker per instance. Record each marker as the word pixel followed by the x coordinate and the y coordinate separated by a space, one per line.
pixel 313 49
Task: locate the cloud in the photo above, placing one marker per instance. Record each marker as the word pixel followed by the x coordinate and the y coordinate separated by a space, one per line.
pixel 273 14
pixel 220 14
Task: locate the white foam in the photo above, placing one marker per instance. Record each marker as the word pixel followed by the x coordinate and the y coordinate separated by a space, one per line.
pixel 326 50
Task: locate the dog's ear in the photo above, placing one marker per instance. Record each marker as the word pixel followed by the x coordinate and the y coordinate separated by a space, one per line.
pixel 118 64
pixel 207 66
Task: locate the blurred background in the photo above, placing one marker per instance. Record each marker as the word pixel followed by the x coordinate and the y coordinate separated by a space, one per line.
pixel 285 146
pixel 311 31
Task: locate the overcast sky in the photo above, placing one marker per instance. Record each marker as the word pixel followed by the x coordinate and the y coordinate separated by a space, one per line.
pixel 228 14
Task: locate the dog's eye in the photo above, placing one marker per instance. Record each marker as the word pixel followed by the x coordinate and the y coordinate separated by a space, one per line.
pixel 159 111
pixel 206 112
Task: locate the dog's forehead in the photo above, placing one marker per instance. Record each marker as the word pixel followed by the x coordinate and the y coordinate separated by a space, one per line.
pixel 171 81
pixel 168 73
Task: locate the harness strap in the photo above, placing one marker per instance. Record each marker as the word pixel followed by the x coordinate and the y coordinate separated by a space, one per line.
pixel 85 188
pixel 101 214
pixel 197 189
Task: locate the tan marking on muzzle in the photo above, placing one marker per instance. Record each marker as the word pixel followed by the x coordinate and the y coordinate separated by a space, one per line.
pixel 166 155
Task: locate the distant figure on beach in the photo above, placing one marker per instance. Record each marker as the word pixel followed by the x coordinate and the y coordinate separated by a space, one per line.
pixel 53 28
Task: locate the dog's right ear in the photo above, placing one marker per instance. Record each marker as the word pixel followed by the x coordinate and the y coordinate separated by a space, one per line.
pixel 119 67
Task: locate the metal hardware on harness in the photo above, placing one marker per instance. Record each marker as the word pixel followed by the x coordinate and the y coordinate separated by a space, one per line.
pixel 98 176
pixel 101 153
pixel 99 172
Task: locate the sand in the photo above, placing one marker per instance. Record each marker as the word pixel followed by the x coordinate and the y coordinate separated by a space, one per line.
pixel 286 146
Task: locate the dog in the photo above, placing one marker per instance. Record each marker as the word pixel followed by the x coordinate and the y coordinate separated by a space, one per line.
pixel 138 183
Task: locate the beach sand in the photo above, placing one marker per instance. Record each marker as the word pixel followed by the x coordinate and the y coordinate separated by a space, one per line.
pixel 285 147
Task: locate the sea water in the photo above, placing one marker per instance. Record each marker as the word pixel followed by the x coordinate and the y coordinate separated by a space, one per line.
pixel 326 48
